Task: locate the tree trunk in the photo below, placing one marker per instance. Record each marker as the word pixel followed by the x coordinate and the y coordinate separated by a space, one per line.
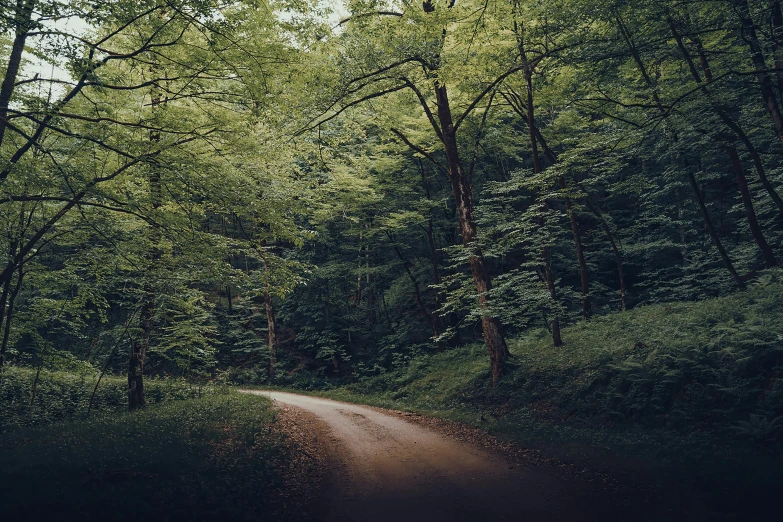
pixel 10 312
pixel 271 324
pixel 535 135
pixel 755 228
pixel 3 304
pixel 136 375
pixel 723 115
pixel 429 232
pixel 587 309
pixel 13 265
pixel 777 38
pixel 749 34
pixel 711 231
pixel 358 298
pixel 616 251
pixel 463 196
pixel 691 178
pixel 431 319
pixel 139 349
pixel 557 339
pixel 22 18
pixel 372 317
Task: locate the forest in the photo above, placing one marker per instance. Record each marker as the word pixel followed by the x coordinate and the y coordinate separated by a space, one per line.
pixel 558 222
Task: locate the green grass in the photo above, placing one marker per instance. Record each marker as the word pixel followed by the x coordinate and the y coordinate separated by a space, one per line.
pixel 214 458
pixel 63 396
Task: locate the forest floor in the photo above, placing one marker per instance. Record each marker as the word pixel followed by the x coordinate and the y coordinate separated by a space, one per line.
pixel 388 465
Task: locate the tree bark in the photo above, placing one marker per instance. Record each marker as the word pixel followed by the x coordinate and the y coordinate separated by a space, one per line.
pixel 372 317
pixel 429 232
pixel 22 18
pixel 749 34
pixel 723 115
pixel 425 312
pixel 136 375
pixel 691 178
pixel 584 276
pixel 535 136
pixel 10 312
pixel 711 231
pixel 358 297
pixel 777 39
pixel 463 196
pixel 557 339
pixel 615 250
pixel 755 229
pixel 271 324
pixel 139 349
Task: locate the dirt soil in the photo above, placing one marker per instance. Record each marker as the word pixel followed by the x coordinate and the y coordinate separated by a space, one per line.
pixel 359 463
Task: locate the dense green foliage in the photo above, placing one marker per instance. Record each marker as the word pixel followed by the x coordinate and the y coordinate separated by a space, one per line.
pixel 207 459
pixel 62 396
pixel 263 192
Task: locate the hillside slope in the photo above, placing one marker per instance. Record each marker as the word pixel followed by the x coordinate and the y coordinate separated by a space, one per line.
pixel 692 386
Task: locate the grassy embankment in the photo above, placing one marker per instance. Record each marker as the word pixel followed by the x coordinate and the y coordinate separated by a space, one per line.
pixel 696 386
pixel 215 458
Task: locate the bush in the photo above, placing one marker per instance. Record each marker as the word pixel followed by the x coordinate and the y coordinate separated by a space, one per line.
pixel 63 396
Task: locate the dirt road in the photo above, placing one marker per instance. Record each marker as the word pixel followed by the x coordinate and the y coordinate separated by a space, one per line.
pixel 389 469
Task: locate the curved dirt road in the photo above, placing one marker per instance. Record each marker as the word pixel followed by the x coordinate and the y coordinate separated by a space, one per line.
pixel 389 469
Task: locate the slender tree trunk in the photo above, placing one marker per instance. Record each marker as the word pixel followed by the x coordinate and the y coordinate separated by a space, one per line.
pixel 722 114
pixel 372 318
pixel 358 298
pixel 3 305
pixel 108 361
pixel 429 232
pixel 136 397
pixel 711 231
pixel 386 310
pixel 531 118
pixel 22 18
pixel 757 163
pixel 433 255
pixel 534 135
pixel 6 282
pixel 271 324
pixel 615 250
pixel 691 178
pixel 10 312
pixel 425 312
pixel 139 349
pixel 755 228
pixel 557 339
pixel 678 200
pixel 463 196
pixel 777 38
pixel 34 388
pixel 584 277
pixel 749 34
